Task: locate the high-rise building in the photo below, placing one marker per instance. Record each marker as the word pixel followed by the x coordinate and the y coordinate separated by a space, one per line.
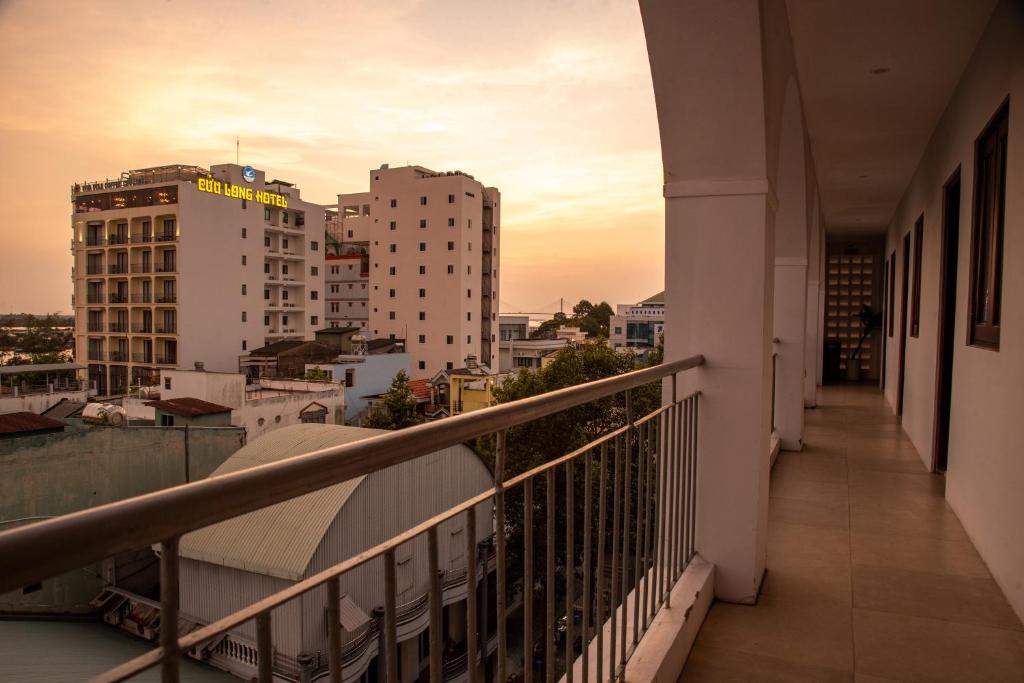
pixel 347 262
pixel 177 265
pixel 433 267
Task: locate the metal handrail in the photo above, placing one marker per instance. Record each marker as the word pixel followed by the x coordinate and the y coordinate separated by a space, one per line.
pixel 28 554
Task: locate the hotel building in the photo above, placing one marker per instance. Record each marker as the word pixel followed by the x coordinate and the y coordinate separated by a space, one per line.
pixel 177 265
pixel 431 245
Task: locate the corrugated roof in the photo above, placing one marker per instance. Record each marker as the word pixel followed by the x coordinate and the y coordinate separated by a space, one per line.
pixel 658 298
pixel 45 367
pixel 65 408
pixel 186 406
pixel 420 388
pixel 17 423
pixel 278 540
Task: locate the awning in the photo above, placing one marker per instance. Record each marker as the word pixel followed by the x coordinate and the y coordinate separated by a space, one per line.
pixel 351 615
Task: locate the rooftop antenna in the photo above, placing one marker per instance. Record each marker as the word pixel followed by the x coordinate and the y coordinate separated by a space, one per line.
pixel 236 150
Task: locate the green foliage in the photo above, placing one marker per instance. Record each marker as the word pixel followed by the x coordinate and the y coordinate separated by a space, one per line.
pixel 40 334
pixel 397 409
pixel 317 375
pixel 592 319
pixel 333 246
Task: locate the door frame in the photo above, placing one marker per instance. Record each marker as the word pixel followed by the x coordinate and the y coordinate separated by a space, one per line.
pixel 946 328
pixel 904 294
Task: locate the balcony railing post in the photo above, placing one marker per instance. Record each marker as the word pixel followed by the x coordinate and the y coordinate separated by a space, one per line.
pixel 435 605
pixel 602 525
pixel 570 569
pixel 264 649
pixel 390 620
pixel 627 492
pixel 613 605
pixel 588 598
pixel 472 556
pixel 499 528
pixel 334 629
pixel 528 580
pixel 169 596
pixel 549 585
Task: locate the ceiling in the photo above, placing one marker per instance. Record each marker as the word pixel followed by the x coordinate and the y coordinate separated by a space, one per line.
pixel 868 130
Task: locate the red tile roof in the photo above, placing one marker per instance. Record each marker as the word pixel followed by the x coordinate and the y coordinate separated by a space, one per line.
pixel 420 388
pixel 188 407
pixel 16 423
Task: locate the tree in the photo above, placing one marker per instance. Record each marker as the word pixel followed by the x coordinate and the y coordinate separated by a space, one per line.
pixel 317 375
pixel 397 408
pixel 592 319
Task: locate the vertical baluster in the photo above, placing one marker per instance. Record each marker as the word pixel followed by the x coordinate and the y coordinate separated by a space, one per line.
pixel 528 594
pixel 549 589
pixel 677 492
pixel 670 499
pixel 334 629
pixel 499 516
pixel 649 524
pixel 684 498
pixel 657 595
pixel 264 649
pixel 627 493
pixel 435 606
pixel 602 517
pixel 692 517
pixel 570 568
pixel 639 559
pixel 472 643
pixel 587 596
pixel 390 620
pixel 690 452
pixel 170 664
pixel 613 606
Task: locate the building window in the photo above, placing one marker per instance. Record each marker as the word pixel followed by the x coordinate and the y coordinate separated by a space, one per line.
pixel 451 199
pixel 987 232
pixel 266 321
pixel 284 269
pixel 423 246
pixel 391 293
pixel 166 420
pixel 284 217
pixel 394 203
pixel 449 365
pixel 469 316
pixel 314 320
pixel 449 339
pixel 423 293
pixel 266 293
pixel 393 225
pixel 423 339
pixel 451 246
pixel 243 259
pixel 469 339
pixel 314 246
pixel 244 345
pixel 423 201
pixel 915 301
pixel 423 315
pixel 391 315
pixel 423 222
pixel 469 293
pixel 313 270
pixel 244 316
pixel 243 289
pixel 266 241
pixel 167 383
pixel 392 248
pixel 391 270
pixel 451 222
pixel 618 330
pixel 423 270
pixel 350 378
pixel 422 365
pixel 350 234
pixel 244 233
pixel 314 295
pixel 266 213
pixel 451 270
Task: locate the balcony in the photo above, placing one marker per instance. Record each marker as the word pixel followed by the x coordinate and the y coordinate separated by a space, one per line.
pixel 118 269
pixel 167 299
pixel 95 298
pixel 166 360
pixel 118 356
pixel 117 327
pixel 142 239
pixel 166 237
pixel 142 268
pixel 117 239
pixel 142 298
pixel 165 328
pixel 94 269
pixel 166 267
pixel 118 298
pixel 142 329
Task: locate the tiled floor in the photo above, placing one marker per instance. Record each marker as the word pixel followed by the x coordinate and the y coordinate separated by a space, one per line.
pixel 870 574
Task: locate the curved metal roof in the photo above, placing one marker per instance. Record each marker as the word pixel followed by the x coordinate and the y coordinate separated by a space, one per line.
pixel 278 540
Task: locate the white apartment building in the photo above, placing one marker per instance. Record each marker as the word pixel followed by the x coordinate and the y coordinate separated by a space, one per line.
pixel 175 265
pixel 433 263
pixel 347 270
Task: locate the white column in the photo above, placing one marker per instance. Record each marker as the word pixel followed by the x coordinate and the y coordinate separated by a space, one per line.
pixel 812 344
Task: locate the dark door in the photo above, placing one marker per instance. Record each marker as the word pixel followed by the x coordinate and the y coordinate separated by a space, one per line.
pixel 950 250
pixel 903 323
pixel 885 317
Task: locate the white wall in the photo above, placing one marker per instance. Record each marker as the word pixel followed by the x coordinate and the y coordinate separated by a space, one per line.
pixel 985 475
pixel 37 403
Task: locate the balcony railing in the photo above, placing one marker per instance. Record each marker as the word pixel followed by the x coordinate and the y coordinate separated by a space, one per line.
pixel 118 268
pixel 638 485
pixel 118 356
pixel 94 298
pixel 166 237
pixel 167 299
pixel 142 239
pixel 142 267
pixel 142 329
pixel 118 298
pixel 118 327
pixel 166 360
pixel 94 269
pixel 142 298
pixel 165 328
pixel 142 358
pixel 167 267
pixel 117 239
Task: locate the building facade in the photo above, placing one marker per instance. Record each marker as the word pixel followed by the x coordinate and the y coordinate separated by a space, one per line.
pixel 638 325
pixel 178 264
pixel 433 266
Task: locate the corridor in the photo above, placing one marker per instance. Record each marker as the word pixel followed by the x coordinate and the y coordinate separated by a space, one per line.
pixel 870 575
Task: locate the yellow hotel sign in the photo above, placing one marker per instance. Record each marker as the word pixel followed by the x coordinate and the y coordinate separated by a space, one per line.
pixel 240 192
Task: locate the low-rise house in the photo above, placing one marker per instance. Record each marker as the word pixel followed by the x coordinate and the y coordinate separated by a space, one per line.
pixel 512 327
pixel 264 551
pixel 285 358
pixel 363 377
pixel 465 389
pixel 35 388
pixel 190 412
pixel 514 354
pixel 28 424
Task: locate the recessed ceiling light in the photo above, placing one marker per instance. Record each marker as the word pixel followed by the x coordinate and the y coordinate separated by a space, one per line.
pixel 880 70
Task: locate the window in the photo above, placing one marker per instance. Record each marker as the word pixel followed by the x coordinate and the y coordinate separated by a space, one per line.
pixel 314 295
pixel 284 294
pixel 449 340
pixel 266 293
pixel 469 293
pixel 618 330
pixel 314 246
pixel 243 259
pixel 423 293
pixel 243 316
pixel 243 289
pixel 449 365
pixel 451 222
pixel 350 234
pixel 350 378
pixel 391 293
pixel 423 246
pixel 284 269
pixel 393 225
pixel 394 203
pixel 391 315
pixel 423 222
pixel 244 233
pixel 469 339
pixel 451 270
pixel 423 339
pixel 987 232
pixel 313 270
pixel 915 301
pixel 423 201
pixel 266 267
pixel 167 383
pixel 266 213
pixel 166 420
pixel 469 270
pixel 284 217
pixel 423 315
pixel 266 320
pixel 451 199
pixel 392 248
pixel 469 316
pixel 266 241
pixel 423 270
pixel 422 365
pixel 244 345
pixel 314 320
pixel 391 270
pixel 451 246
pixel 469 222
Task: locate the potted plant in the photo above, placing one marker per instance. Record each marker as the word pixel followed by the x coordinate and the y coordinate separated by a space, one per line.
pixel 869 322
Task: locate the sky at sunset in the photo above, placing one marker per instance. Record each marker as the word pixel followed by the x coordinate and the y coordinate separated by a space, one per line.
pixel 550 101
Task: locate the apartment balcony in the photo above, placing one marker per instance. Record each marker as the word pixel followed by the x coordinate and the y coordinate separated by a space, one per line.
pixel 169 267
pixel 117 327
pixel 118 298
pixel 142 329
pixel 164 328
pixel 139 268
pixel 95 299
pixel 142 239
pixel 166 237
pixel 166 360
pixel 94 269
pixel 117 239
pixel 143 358
pixel 167 299
pixel 95 327
pixel 117 269
pixel 118 356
